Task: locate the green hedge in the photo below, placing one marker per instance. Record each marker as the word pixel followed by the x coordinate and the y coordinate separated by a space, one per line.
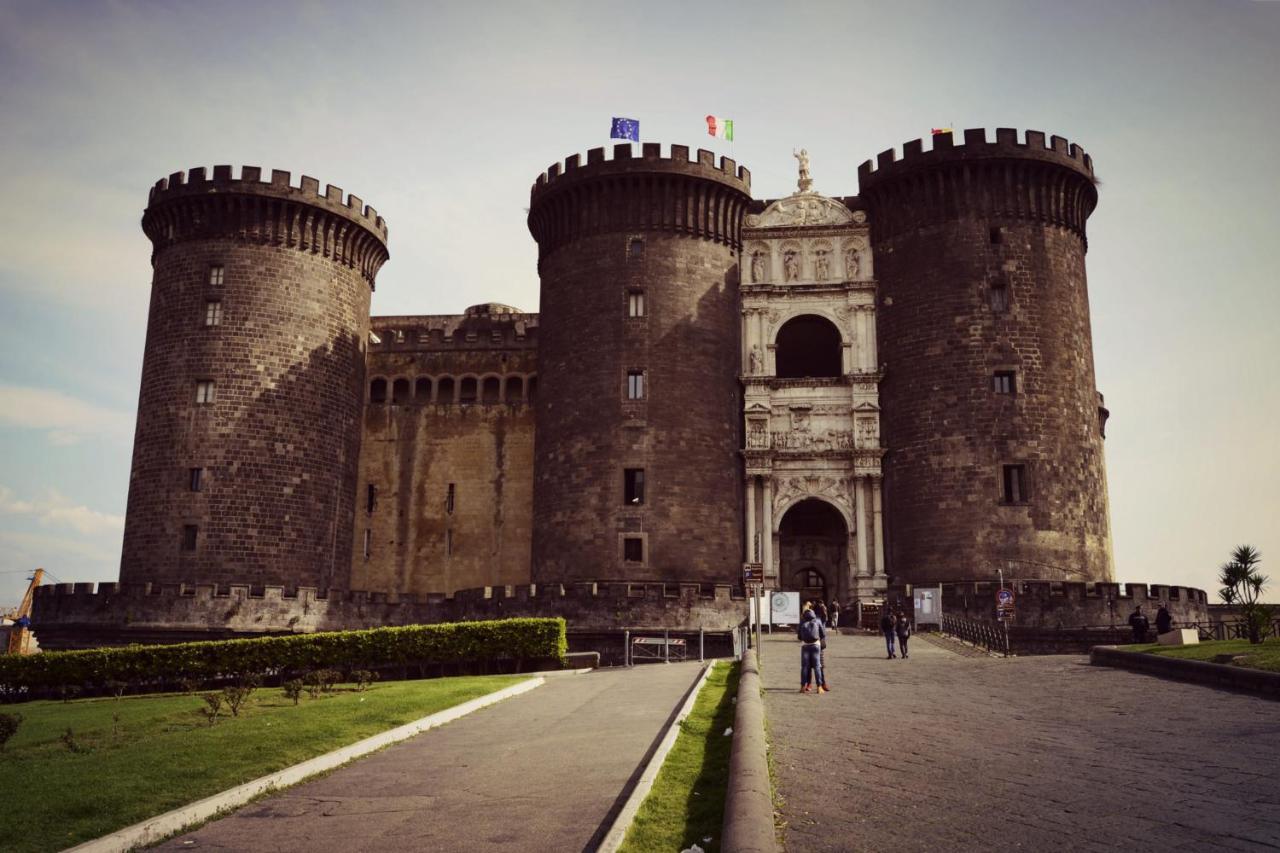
pixel 462 642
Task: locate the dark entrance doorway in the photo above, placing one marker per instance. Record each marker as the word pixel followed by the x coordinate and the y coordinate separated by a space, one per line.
pixel 813 548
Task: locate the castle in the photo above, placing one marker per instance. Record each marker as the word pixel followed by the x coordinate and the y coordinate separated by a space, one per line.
pixel 837 394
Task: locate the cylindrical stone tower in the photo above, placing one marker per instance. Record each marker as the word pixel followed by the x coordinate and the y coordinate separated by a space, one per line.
pixel 636 467
pixel 991 414
pixel 248 433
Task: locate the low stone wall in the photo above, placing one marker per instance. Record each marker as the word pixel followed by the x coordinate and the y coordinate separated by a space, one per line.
pixel 1257 681
pixel 84 615
pixel 1053 604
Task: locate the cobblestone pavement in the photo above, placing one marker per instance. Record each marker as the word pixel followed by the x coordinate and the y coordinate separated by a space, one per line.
pixel 944 752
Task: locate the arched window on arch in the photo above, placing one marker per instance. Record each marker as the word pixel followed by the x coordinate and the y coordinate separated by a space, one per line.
pixel 467 390
pixel 400 392
pixel 378 391
pixel 809 346
pixel 515 389
pixel 444 391
pixel 422 390
pixel 491 390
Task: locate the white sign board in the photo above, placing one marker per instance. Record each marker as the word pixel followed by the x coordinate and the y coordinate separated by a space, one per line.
pixel 784 608
pixel 927 603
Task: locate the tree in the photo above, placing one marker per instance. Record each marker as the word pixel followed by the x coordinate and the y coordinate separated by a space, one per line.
pixel 1242 584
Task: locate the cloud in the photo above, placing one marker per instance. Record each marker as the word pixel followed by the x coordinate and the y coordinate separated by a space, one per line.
pixel 56 510
pixel 66 419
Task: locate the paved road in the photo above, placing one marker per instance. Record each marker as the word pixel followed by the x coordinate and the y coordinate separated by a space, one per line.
pixel 943 752
pixel 543 771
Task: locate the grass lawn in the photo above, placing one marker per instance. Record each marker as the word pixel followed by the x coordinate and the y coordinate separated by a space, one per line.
pixel 162 753
pixel 1263 656
pixel 686 804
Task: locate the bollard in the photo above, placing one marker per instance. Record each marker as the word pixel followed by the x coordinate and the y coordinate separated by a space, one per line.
pixel 701 633
pixel 626 647
pixel 666 646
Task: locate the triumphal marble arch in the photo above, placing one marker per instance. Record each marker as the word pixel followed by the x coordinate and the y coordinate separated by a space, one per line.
pixel 811 402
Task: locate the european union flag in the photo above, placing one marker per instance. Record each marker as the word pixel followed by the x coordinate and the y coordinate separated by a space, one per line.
pixel 625 128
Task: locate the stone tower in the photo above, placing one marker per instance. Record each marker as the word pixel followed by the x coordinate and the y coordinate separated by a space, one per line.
pixel 991 414
pixel 248 433
pixel 636 466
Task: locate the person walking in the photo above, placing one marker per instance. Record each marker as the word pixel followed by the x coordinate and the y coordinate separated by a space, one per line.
pixel 811 634
pixel 1139 623
pixel 903 629
pixel 820 610
pixel 1164 620
pixel 834 610
pixel 888 626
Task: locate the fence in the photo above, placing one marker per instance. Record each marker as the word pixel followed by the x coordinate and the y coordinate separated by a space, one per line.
pixel 989 635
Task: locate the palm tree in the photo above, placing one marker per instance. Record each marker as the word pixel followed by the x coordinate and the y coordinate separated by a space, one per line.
pixel 1242 583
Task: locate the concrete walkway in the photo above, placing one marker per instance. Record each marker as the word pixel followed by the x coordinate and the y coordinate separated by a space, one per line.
pixel 547 770
pixel 944 752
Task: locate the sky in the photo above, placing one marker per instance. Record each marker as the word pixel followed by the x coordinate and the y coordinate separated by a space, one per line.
pixel 442 115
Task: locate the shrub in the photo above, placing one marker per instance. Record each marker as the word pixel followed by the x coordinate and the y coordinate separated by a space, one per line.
pixel 465 642
pixel 212 706
pixel 236 696
pixel 292 689
pixel 320 680
pixel 8 727
pixel 363 678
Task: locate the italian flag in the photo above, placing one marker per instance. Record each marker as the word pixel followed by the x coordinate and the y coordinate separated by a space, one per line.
pixel 721 128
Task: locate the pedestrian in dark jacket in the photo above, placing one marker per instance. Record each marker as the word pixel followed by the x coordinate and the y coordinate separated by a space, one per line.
pixel 1139 623
pixel 811 634
pixel 1164 620
pixel 903 628
pixel 888 626
pixel 820 610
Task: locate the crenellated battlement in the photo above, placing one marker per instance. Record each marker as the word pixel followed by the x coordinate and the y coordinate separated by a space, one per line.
pixel 677 161
pixel 307 190
pixel 650 193
pixel 1043 181
pixel 337 225
pixel 976 147
pixel 1072 604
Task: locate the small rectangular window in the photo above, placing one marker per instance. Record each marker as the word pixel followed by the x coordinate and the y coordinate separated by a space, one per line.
pixel 197 479
pixel 213 313
pixel 204 391
pixel 635 303
pixel 1004 382
pixel 997 235
pixel 635 384
pixel 633 491
pixel 189 533
pixel 633 549
pixel 368 543
pixel 448 499
pixel 1015 484
pixel 216 275
pixel 998 293
pixel 635 248
pixel 370 498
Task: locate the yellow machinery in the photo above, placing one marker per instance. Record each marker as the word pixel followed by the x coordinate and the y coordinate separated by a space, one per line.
pixel 20 632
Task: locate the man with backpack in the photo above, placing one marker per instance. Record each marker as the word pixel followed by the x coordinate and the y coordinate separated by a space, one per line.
pixel 811 634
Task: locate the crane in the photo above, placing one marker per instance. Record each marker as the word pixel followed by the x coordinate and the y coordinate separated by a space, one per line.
pixel 20 635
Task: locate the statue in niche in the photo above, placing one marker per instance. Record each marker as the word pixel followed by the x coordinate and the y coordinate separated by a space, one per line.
pixel 791 264
pixel 757 267
pixel 851 264
pixel 805 181
pixel 755 358
pixel 820 269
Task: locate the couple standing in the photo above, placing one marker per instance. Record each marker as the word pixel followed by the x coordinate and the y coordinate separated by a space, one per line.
pixel 813 637
pixel 898 625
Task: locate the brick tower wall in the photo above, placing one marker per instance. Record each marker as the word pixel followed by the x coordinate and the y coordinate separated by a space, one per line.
pixel 668 227
pixel 948 226
pixel 280 442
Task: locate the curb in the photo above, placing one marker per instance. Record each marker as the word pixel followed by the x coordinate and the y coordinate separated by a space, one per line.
pixel 1257 681
pixel 748 802
pixel 155 829
pixel 618 832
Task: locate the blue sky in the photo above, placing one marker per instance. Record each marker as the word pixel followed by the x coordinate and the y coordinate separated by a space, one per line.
pixel 442 115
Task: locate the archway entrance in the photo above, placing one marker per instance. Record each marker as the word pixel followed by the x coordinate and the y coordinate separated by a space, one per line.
pixel 813 550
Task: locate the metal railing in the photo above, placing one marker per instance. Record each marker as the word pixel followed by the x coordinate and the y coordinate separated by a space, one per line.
pixel 990 635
